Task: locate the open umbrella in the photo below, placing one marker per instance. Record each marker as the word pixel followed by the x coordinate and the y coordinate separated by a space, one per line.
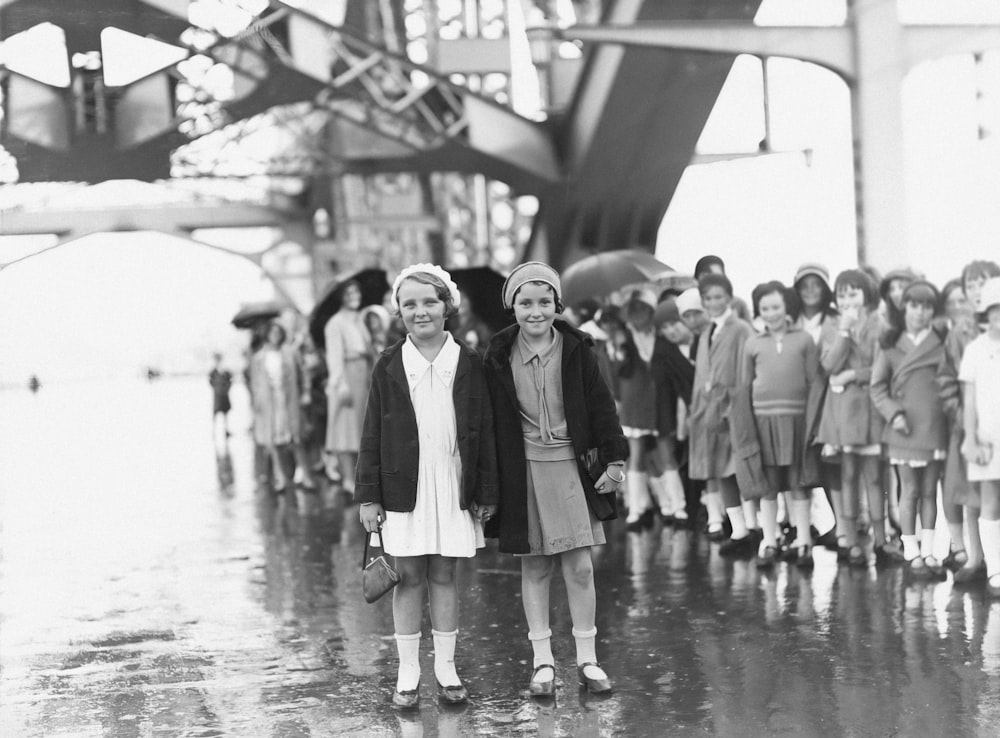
pixel 374 285
pixel 252 314
pixel 601 274
pixel 483 287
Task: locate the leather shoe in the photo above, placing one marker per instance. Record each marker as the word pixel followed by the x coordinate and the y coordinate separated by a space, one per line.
pixel 453 695
pixel 739 547
pixel 768 558
pixel 955 559
pixel 542 689
pixel 407 699
pixel 970 575
pixel 594 686
pixel 856 557
pixel 804 557
pixel 887 555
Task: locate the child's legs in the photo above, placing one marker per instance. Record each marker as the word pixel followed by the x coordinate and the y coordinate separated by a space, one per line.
pixel 578 573
pixel 346 461
pixel 850 497
pixel 636 454
pixel 989 525
pixel 666 454
pixel 408 596
pixel 443 592
pixel 975 548
pixel 869 480
pixel 929 477
pixel 734 505
pixel 536 577
pixel 769 505
pixel 799 506
pixel 989 495
pixel 910 480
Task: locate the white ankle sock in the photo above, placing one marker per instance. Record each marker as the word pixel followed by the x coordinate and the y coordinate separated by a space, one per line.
pixel 408 648
pixel 541 647
pixel 989 532
pixel 799 512
pixel 750 513
pixel 769 522
pixel 927 542
pixel 586 652
pixel 715 509
pixel 738 522
pixel 911 546
pixel 444 658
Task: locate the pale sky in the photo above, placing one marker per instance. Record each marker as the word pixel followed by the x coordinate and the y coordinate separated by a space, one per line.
pixel 111 304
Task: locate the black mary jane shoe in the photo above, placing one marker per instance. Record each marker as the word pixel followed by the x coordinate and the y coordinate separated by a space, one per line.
pixel 542 689
pixel 407 699
pixel 888 555
pixel 768 558
pixel 804 557
pixel 455 695
pixel 594 686
pixel 970 575
pixel 935 571
pixel 956 559
pixel 856 557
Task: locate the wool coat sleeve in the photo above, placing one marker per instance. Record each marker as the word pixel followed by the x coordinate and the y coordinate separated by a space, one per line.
pixel 880 389
pixel 368 484
pixel 487 491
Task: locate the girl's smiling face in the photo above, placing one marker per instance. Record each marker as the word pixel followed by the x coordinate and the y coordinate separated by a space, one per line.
pixel 773 311
pixel 421 309
pixel 956 305
pixel 352 297
pixel 811 292
pixel 715 299
pixel 850 297
pixel 918 315
pixel 535 309
pixel 974 290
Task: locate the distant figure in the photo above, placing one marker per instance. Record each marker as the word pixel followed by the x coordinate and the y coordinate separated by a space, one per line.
pixel 34 383
pixel 221 380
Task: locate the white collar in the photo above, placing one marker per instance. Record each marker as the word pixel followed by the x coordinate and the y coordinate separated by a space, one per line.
pixel 918 338
pixel 722 318
pixel 416 366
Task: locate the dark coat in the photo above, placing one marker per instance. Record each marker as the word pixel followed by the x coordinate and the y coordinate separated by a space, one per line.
pixel 389 456
pixel 904 380
pixel 591 420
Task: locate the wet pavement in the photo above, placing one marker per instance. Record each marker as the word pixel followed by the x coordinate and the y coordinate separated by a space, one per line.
pixel 148 589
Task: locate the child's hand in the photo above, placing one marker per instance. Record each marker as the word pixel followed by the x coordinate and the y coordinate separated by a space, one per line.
pixel 900 424
pixel 608 483
pixel 372 516
pixel 484 512
pixel 977 453
pixel 849 318
pixel 843 379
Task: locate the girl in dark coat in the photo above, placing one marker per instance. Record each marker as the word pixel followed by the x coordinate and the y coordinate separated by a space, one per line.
pixel 904 390
pixel 552 411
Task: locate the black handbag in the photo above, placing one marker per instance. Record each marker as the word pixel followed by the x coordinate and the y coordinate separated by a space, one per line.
pixel 378 575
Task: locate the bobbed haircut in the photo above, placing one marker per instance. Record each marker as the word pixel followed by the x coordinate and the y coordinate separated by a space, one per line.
pixel 858 280
pixel 714 280
pixel 559 303
pixel 793 306
pixel 443 293
pixel 979 269
pixel 705 264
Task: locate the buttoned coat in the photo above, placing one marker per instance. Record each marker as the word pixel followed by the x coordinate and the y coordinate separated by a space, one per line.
pixel 904 380
pixel 390 451
pixel 716 380
pixel 591 420
pixel 264 410
pixel 849 418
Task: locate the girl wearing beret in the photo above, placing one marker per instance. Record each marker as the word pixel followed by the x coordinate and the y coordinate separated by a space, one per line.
pixel 564 456
pixel 427 471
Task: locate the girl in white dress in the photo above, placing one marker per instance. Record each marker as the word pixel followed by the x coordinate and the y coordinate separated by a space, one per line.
pixel 980 377
pixel 427 471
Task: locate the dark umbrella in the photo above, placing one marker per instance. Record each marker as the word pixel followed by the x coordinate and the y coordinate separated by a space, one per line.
pixel 600 274
pixel 484 288
pixel 374 285
pixel 252 314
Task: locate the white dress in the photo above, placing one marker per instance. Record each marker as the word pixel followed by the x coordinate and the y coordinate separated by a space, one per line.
pixel 981 366
pixel 437 524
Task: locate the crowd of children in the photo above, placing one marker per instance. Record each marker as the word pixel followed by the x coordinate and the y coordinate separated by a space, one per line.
pixel 883 392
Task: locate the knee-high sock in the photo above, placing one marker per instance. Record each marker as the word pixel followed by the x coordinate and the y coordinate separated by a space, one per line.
pixel 662 493
pixel 408 648
pixel 636 494
pixel 989 533
pixel 444 658
pixel 675 488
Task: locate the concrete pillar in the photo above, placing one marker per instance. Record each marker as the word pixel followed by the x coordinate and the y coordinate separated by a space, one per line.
pixel 878 140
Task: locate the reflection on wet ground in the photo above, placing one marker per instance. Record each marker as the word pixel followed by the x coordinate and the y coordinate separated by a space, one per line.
pixel 146 588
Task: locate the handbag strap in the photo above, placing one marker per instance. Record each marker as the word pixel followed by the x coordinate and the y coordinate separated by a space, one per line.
pixel 368 536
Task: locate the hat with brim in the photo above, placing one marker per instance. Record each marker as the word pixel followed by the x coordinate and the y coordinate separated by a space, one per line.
pixel 688 300
pixel 814 269
pixel 667 312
